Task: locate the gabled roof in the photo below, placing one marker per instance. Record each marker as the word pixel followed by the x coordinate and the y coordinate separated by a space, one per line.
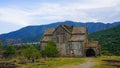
pixel 67 27
pixel 49 31
pixel 70 29
pixel 78 30
pixel 77 33
pixel 46 38
pixel 77 38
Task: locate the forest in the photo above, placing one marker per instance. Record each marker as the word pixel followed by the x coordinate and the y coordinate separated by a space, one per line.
pixel 109 39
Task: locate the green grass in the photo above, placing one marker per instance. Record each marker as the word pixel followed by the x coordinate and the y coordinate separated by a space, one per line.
pixel 37 67
pixel 55 62
pixel 65 62
pixel 102 64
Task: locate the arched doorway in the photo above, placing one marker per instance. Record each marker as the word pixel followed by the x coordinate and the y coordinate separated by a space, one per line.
pixel 90 52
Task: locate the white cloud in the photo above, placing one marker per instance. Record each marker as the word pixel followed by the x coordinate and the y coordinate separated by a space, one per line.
pixel 14 16
pixel 89 10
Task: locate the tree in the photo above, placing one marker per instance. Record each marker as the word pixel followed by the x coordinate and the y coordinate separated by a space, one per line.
pixel 10 51
pixel 50 49
pixel 29 51
pixel 0 45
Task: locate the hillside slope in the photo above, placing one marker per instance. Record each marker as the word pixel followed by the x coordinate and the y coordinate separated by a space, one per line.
pixel 109 40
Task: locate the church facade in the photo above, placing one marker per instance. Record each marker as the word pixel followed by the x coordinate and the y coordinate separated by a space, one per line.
pixel 71 41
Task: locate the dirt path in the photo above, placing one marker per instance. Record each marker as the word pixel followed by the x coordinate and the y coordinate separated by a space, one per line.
pixel 88 64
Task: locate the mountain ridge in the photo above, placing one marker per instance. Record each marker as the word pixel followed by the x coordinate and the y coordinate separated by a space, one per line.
pixel 34 33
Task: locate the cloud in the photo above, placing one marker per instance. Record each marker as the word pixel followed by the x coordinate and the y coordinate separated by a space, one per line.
pixel 14 16
pixel 79 12
pixel 47 12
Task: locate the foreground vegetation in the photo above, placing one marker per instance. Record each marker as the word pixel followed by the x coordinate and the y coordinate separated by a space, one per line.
pixel 64 62
pixel 48 62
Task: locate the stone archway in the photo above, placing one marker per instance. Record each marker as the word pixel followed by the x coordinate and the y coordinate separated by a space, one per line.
pixel 90 53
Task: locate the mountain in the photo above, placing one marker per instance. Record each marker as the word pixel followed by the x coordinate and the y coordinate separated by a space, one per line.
pixel 34 33
pixel 109 40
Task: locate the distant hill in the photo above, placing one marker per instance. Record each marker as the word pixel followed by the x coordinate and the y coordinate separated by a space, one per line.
pixel 34 33
pixel 109 40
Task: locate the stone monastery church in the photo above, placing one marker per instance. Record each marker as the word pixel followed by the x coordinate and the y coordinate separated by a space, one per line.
pixel 71 41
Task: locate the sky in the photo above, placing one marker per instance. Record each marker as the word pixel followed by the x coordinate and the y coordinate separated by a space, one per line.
pixel 15 14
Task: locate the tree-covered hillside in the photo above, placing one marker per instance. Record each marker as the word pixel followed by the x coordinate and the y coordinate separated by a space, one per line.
pixel 109 40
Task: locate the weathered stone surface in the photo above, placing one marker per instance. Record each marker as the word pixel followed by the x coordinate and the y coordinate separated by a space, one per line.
pixel 71 41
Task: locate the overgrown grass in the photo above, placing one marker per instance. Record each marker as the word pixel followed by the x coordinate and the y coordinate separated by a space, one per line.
pixel 66 61
pixel 55 62
pixel 101 64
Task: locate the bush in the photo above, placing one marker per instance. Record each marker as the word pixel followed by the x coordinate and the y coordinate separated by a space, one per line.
pixel 29 51
pixel 50 49
pixel 10 51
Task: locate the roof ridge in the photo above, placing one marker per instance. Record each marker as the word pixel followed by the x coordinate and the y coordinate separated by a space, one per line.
pixel 67 27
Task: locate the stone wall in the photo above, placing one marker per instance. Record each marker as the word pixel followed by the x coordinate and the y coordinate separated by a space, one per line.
pixel 77 48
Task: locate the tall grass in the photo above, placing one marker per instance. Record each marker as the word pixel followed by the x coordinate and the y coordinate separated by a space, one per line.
pixel 56 62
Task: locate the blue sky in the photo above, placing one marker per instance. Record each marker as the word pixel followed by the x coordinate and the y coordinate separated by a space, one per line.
pixel 15 14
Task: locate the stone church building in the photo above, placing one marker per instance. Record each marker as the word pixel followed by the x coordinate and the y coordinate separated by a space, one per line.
pixel 71 41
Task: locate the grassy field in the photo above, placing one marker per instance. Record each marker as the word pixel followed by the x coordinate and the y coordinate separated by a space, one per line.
pixel 66 62
pixel 53 62
pixel 99 63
